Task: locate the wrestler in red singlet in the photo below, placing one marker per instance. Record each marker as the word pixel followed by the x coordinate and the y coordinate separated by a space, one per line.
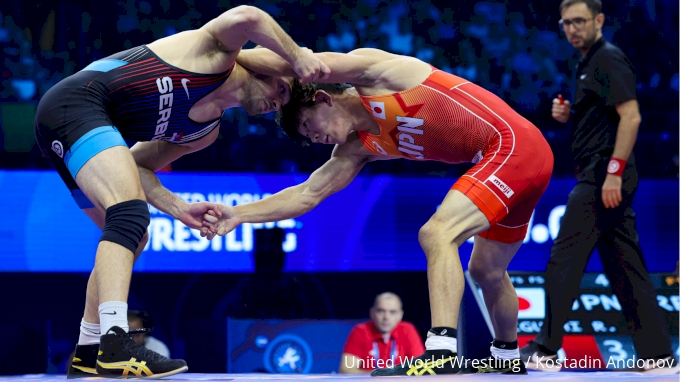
pixel 449 119
pixel 437 117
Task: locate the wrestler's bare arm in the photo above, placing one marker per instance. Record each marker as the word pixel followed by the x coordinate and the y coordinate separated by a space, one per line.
pixel 235 27
pixel 153 156
pixel 373 71
pixel 355 68
pixel 345 163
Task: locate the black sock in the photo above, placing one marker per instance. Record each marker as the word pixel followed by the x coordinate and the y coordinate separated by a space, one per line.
pixel 444 331
pixel 505 345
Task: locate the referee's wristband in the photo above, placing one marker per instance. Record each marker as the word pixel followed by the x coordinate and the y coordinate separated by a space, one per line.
pixel 616 166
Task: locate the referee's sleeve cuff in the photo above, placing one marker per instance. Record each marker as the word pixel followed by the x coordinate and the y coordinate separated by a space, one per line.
pixel 614 103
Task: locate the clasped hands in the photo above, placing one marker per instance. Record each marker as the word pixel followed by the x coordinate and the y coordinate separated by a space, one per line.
pixel 210 218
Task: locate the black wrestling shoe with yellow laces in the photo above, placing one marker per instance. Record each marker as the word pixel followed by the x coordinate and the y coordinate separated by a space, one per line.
pixel 120 357
pixel 84 362
pixel 432 362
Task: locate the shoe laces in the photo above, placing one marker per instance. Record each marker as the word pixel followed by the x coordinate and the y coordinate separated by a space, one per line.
pixel 142 353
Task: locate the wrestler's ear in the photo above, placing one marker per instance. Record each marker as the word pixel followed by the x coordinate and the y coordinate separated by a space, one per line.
pixel 321 96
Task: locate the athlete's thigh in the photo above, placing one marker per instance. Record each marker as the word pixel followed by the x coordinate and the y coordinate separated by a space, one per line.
pixel 493 255
pixel 97 215
pixel 509 170
pixel 513 226
pixel 509 194
pixel 110 177
pixel 73 129
pixel 459 216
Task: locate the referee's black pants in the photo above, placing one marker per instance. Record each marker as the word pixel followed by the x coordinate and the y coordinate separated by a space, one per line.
pixel 586 225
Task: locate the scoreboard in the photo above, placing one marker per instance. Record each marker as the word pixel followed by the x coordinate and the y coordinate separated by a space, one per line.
pixel 595 329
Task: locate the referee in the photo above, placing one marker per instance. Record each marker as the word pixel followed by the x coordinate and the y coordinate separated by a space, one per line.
pixel 605 118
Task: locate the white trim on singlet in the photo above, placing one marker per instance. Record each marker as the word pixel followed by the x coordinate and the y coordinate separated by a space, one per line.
pixel 514 139
pixel 463 83
pixel 199 134
pixel 485 121
pixel 507 226
pixel 490 190
pixel 480 118
pixel 133 55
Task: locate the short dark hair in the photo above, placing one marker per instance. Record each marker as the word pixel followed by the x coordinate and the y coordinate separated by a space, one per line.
pixel 595 6
pixel 301 98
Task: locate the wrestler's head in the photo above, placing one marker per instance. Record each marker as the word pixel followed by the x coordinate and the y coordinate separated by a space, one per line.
pixel 315 112
pixel 264 94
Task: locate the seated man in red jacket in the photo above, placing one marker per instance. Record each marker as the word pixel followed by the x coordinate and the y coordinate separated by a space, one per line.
pixel 383 341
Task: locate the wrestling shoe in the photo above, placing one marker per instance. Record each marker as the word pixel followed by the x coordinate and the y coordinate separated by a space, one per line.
pixel 537 357
pixel 120 357
pixel 493 365
pixel 84 362
pixel 432 362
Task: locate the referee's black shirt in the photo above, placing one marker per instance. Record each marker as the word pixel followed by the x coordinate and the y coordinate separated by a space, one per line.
pixel 604 78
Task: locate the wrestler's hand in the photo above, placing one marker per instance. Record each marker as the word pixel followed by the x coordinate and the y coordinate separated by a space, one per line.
pixel 309 67
pixel 611 191
pixel 219 222
pixel 191 214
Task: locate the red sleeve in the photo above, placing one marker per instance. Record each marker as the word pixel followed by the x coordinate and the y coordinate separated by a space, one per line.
pixel 356 343
pixel 415 345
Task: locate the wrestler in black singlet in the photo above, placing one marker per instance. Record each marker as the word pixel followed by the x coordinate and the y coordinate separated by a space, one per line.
pixel 131 95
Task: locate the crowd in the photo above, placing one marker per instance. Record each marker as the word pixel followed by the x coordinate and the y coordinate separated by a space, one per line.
pixel 514 49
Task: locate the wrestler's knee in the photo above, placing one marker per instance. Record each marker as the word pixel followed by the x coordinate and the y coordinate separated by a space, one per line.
pixel 436 234
pixel 484 273
pixel 126 224
pixel 142 244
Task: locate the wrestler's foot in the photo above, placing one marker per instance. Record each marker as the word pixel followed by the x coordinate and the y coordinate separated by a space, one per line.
pixel 432 362
pixel 120 357
pixel 494 365
pixel 84 362
pixel 537 357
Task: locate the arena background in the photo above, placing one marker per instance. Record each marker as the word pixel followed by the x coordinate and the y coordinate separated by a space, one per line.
pixel 361 242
